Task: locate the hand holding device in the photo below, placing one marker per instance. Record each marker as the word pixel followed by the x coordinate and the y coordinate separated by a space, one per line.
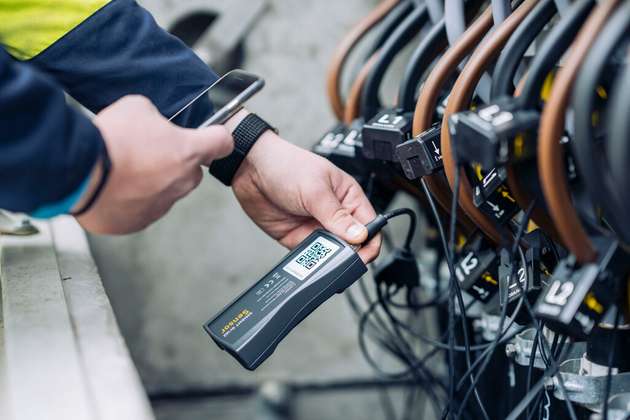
pixel 289 192
pixel 154 164
pixel 323 264
pixel 162 163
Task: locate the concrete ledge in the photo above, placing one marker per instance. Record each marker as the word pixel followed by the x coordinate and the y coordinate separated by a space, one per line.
pixel 61 353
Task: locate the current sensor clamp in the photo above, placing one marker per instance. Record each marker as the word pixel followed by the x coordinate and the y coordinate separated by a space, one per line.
pixel 384 132
pixel 576 298
pixel 421 155
pixel 491 135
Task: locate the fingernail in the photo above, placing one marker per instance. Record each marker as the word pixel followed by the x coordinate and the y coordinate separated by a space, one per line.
pixel 355 230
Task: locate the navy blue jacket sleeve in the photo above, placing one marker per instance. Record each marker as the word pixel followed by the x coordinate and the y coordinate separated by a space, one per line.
pixel 121 50
pixel 47 149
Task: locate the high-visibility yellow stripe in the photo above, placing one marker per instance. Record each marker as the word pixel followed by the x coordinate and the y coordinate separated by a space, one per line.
pixel 28 27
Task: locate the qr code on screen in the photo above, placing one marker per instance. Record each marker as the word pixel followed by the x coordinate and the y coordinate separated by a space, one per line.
pixel 312 255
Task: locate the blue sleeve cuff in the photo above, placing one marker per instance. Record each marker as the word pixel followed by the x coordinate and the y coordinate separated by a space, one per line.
pixel 63 206
pixel 47 149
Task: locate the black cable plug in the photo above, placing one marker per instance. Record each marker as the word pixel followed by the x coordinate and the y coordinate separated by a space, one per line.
pixel 375 226
pixel 399 268
pixel 379 222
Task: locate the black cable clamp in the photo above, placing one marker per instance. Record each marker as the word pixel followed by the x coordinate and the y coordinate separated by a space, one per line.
pixel 342 146
pixel 577 297
pixel 384 132
pixel 476 270
pixel 492 197
pixel 495 134
pixel 421 155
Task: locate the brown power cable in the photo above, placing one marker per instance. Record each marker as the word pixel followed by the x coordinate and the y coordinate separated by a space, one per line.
pixel 551 164
pixel 445 68
pixel 430 93
pixel 352 109
pixel 460 98
pixel 333 81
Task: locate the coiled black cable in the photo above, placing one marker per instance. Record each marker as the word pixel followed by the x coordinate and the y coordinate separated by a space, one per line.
pixel 427 50
pixel 619 126
pixel 403 34
pixel 592 163
pixel 552 49
pixel 389 25
pixel 513 52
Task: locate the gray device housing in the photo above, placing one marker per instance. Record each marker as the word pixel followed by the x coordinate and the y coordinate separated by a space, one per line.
pixel 254 323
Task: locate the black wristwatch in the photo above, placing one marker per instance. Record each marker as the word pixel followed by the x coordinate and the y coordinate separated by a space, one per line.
pixel 245 136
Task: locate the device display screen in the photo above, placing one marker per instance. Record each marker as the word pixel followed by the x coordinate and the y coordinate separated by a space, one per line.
pixel 224 97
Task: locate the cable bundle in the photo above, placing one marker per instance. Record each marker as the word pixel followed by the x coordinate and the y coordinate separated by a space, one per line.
pixel 510 131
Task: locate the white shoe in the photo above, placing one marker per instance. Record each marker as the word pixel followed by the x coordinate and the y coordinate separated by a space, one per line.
pixel 11 224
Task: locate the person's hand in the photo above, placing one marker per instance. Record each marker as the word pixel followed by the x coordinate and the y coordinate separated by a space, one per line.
pixel 154 164
pixel 288 192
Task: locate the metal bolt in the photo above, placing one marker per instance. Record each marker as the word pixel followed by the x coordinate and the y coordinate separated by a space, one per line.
pixel 550 384
pixel 510 350
pixel 572 386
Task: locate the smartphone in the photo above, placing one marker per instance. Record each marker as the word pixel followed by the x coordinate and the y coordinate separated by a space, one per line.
pixel 227 95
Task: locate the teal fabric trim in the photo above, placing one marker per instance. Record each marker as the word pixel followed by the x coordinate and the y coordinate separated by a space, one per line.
pixel 63 206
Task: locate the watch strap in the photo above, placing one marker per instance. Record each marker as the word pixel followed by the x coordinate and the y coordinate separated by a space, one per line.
pixel 245 136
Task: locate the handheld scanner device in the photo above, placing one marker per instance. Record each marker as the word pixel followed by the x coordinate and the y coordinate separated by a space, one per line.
pixel 252 325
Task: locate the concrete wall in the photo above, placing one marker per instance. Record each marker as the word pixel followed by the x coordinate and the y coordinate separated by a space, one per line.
pixel 166 281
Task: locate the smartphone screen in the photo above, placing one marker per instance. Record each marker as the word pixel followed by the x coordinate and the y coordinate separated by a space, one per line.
pixel 225 97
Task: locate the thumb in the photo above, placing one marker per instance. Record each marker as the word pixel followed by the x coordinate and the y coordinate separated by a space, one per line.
pixel 326 208
pixel 210 143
